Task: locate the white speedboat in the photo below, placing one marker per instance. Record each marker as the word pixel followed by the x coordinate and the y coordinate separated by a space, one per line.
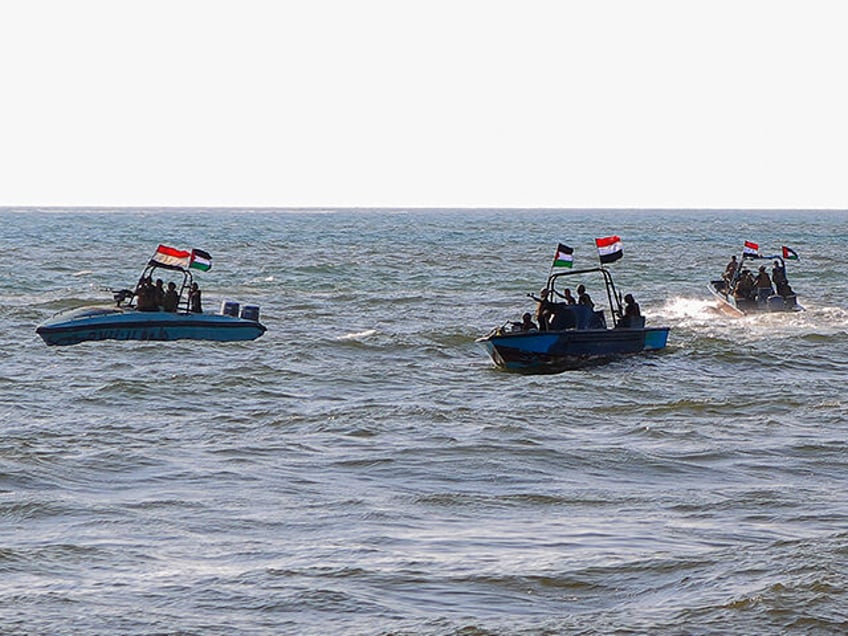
pixel 738 294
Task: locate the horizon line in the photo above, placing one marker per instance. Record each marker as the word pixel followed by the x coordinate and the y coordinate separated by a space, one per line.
pixel 413 207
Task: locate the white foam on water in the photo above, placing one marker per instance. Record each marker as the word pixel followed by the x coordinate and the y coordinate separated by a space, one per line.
pixel 831 316
pixel 696 311
pixel 683 308
pixel 359 335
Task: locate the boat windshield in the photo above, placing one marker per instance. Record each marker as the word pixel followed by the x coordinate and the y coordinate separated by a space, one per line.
pixel 90 312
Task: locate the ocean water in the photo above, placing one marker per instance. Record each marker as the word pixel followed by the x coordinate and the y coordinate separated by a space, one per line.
pixel 364 469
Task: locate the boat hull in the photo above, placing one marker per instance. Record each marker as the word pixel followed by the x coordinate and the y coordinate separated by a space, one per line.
pixel 733 307
pixel 569 349
pixel 114 323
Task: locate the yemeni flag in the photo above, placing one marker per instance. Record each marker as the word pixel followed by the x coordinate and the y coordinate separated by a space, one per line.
pixel 564 256
pixel 609 249
pixel 750 249
pixel 789 254
pixel 170 258
pixel 200 260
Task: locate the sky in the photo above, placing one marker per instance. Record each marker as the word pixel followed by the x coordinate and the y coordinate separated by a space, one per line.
pixel 432 103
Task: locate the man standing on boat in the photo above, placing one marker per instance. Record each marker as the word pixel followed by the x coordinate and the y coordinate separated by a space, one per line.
pixel 730 270
pixel 194 305
pixel 543 309
pixel 778 276
pixel 583 298
pixel 763 284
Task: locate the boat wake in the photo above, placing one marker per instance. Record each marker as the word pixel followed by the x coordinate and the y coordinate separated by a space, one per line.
pixel 698 310
pixel 690 309
pixel 699 318
pixel 831 316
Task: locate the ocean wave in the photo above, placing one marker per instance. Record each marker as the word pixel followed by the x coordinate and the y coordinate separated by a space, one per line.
pixel 362 469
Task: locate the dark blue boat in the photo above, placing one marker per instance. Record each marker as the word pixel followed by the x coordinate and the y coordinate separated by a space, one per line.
pixel 575 335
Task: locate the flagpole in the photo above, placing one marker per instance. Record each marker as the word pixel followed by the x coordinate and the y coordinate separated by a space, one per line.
pixel 551 270
pixel 564 252
pixel 141 278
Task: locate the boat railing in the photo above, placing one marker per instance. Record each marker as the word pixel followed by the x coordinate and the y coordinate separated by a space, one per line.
pixel 613 297
pixel 182 294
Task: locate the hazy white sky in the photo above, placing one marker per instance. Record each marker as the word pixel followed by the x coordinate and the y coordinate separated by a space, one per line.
pixel 424 103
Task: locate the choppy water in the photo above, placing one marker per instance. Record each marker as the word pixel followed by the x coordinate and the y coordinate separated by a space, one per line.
pixel 362 468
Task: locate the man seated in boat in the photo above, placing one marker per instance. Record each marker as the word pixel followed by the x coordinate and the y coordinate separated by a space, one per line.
pixel 632 314
pixel 526 325
pixel 745 286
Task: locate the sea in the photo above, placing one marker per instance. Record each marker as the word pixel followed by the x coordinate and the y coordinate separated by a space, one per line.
pixel 363 467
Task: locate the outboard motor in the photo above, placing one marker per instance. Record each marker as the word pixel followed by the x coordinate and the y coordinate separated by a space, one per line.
pixel 775 303
pixel 250 312
pixel 230 308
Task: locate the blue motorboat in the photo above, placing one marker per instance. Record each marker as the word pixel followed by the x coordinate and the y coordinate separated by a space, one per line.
pixel 133 318
pixel 572 335
pixel 127 323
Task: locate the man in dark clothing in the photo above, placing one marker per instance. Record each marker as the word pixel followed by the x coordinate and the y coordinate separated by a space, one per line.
pixel 583 298
pixel 170 300
pixel 194 305
pixel 631 307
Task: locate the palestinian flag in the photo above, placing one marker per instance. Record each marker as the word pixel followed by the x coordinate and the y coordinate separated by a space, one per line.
pixel 750 249
pixel 609 249
pixel 789 254
pixel 170 258
pixel 200 260
pixel 564 256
